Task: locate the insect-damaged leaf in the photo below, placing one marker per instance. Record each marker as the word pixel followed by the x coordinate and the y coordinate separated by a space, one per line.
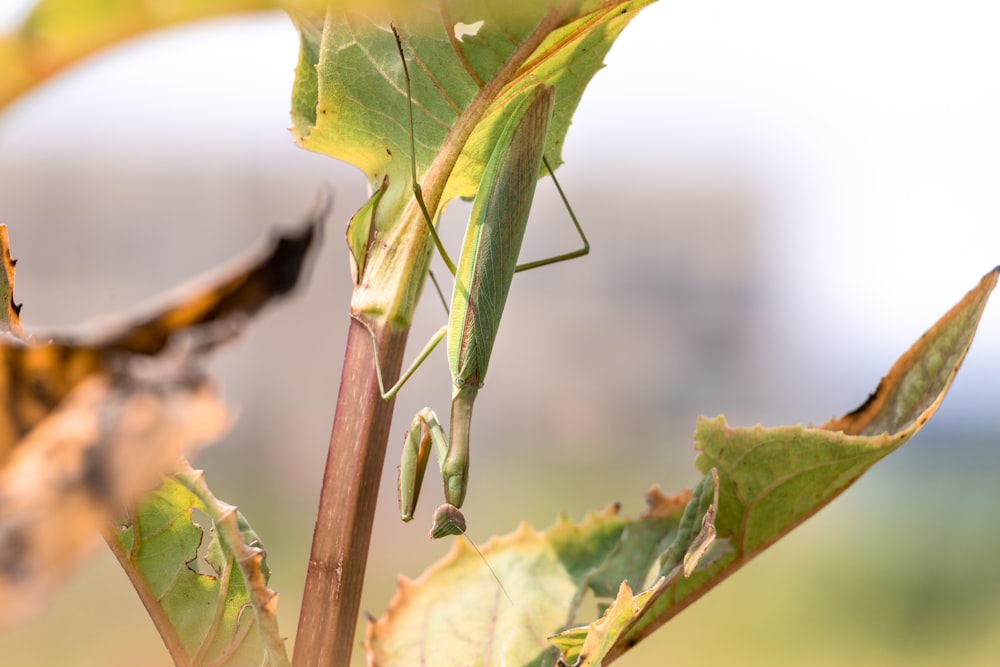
pixel 217 611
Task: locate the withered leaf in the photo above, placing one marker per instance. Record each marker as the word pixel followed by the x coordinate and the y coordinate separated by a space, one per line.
pixel 35 376
pixel 87 424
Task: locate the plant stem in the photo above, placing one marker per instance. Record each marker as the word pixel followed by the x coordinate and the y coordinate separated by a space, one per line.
pixel 332 596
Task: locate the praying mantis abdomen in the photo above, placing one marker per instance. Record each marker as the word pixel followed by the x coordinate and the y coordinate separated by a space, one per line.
pixel 494 235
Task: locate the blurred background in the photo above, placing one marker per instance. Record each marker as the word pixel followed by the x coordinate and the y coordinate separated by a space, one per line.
pixel 781 198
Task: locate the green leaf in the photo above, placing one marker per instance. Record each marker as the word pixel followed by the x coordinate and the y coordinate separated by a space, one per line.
pixel 642 543
pixel 773 479
pixel 697 532
pixel 350 98
pixel 759 484
pixel 360 232
pixel 213 610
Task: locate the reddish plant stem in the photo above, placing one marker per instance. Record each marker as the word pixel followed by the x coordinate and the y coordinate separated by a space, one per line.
pixel 347 505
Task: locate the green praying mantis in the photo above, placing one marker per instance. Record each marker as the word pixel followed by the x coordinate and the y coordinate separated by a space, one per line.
pixel 486 267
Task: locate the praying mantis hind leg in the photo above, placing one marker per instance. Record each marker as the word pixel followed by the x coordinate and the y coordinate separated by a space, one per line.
pixel 428 219
pixel 417 191
pixel 418 194
pixel 419 197
pixel 579 252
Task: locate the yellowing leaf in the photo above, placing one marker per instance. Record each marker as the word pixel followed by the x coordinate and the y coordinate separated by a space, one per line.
pixel 350 98
pixel 537 570
pixel 587 646
pixel 916 384
pixel 546 574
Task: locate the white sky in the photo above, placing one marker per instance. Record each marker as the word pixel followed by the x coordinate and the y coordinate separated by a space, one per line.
pixel 870 128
